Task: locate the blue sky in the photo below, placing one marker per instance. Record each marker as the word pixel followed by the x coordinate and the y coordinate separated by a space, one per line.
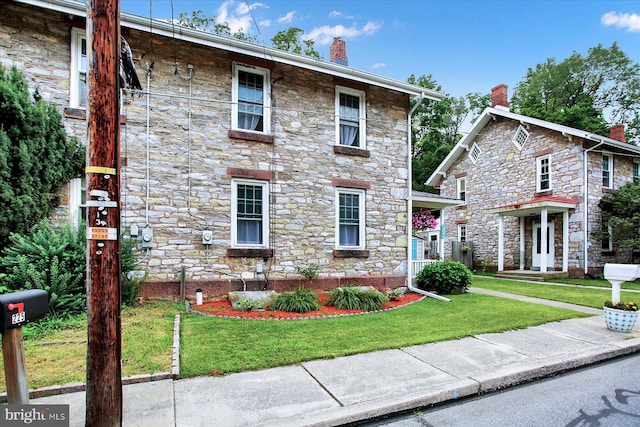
pixel 467 46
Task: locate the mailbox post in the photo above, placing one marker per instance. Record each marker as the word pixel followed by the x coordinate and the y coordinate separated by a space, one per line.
pixel 17 309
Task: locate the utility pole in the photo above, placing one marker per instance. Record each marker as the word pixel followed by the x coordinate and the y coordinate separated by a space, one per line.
pixel 104 377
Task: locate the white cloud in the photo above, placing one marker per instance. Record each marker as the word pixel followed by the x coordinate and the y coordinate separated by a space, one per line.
pixel 325 34
pixel 336 14
pixel 240 18
pixel 378 65
pixel 286 19
pixel 628 21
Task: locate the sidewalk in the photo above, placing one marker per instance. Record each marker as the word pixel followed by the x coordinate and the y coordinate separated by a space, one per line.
pixel 354 388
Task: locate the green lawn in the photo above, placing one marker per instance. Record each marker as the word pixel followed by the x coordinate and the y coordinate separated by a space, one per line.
pixel 596 283
pixel 581 295
pixel 217 346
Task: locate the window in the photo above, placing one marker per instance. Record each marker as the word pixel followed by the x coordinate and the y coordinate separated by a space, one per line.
pixel 636 172
pixel 77 201
pixel 462 233
pixel 607 241
pixel 78 80
pixel 250 207
pixel 474 153
pixel 350 219
pixel 520 137
pixel 350 114
pixel 607 168
pixel 462 187
pixel 543 173
pixel 251 100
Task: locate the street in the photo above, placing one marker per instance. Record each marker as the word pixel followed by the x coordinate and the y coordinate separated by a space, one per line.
pixel 604 395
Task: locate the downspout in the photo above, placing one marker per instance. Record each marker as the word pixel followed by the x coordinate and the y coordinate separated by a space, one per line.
pixel 586 208
pixel 410 211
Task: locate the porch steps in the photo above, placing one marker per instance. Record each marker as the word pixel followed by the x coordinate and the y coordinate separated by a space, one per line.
pixel 534 276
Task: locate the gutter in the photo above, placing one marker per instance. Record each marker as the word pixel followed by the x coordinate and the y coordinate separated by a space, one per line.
pixel 585 218
pixel 410 211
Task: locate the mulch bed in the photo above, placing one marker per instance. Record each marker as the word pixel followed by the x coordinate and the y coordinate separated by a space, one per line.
pixel 224 309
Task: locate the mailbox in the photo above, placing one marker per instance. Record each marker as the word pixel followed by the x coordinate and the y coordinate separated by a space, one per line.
pixel 19 308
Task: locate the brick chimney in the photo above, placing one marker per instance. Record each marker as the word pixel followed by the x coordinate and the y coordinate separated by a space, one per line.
pixel 617 132
pixel 338 52
pixel 499 96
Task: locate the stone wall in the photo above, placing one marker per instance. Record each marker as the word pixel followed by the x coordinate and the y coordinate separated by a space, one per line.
pixel 186 149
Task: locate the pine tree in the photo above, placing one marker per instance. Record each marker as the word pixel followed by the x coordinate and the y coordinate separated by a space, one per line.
pixel 36 156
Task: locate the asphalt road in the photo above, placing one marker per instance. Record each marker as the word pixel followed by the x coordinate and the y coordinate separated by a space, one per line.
pixel 605 395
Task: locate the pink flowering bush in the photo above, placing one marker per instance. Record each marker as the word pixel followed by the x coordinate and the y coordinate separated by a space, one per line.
pixel 422 221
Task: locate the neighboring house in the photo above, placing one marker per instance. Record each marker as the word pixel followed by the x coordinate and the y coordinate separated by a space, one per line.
pixel 242 162
pixel 531 191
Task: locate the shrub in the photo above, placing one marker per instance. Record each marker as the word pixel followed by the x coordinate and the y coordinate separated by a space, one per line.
pixel 310 271
pixel 49 258
pixel 444 277
pixel 299 301
pixel 353 298
pixel 130 281
pixel 248 304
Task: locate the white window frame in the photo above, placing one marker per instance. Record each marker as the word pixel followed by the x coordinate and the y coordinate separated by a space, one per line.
pixel 520 137
pixel 361 217
pixel 636 172
pixel 266 100
pixel 75 97
pixel 77 200
pixel 462 233
pixel 539 161
pixel 362 119
pixel 461 188
pixel 234 213
pixel 609 170
pixel 474 153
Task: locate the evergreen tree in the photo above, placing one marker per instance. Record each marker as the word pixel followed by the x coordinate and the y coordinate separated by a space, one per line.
pixel 36 157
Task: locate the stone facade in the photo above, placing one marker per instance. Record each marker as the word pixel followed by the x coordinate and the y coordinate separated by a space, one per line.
pixel 179 163
pixel 506 175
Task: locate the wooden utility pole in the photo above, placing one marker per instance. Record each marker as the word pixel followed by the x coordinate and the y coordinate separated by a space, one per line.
pixel 104 384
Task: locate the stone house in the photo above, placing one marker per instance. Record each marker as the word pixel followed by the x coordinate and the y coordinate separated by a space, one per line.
pixel 239 162
pixel 528 184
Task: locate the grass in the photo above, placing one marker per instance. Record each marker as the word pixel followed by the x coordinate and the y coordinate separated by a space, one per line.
pixel 581 295
pixel 56 357
pixel 595 283
pixel 217 346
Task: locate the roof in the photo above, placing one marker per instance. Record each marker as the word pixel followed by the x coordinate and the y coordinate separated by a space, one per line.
pixel 490 113
pixel 433 201
pixel 166 29
pixel 535 205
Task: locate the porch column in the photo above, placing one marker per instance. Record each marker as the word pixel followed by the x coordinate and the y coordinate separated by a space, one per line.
pixel 500 243
pixel 440 238
pixel 543 240
pixel 565 241
pixel 522 221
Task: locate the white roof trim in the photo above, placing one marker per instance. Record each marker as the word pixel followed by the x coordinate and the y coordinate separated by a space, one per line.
pixel 491 113
pixel 163 28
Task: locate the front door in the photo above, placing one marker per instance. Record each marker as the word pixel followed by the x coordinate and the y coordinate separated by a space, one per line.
pixel 537 250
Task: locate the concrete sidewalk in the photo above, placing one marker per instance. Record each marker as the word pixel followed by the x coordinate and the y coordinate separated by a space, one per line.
pixel 353 388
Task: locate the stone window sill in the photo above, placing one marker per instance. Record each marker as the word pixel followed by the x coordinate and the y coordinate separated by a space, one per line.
pixel 351 151
pixel 249 253
pixel 250 136
pixel 351 253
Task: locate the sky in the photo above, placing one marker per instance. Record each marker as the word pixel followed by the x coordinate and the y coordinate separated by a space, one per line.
pixel 466 46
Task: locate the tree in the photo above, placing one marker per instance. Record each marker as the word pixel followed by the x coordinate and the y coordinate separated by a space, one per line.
pixel 289 40
pixel 201 22
pixel 36 157
pixel 591 93
pixel 621 212
pixel 436 128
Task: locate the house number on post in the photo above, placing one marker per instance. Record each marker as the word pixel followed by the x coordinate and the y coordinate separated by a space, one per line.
pixel 98 227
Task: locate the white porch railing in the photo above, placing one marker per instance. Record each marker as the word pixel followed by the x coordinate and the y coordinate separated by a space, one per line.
pixel 418 265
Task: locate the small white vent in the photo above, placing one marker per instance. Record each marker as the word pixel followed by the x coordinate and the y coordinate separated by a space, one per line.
pixel 520 137
pixel 474 153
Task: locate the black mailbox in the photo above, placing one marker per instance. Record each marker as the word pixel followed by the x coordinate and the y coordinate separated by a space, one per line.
pixel 21 307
